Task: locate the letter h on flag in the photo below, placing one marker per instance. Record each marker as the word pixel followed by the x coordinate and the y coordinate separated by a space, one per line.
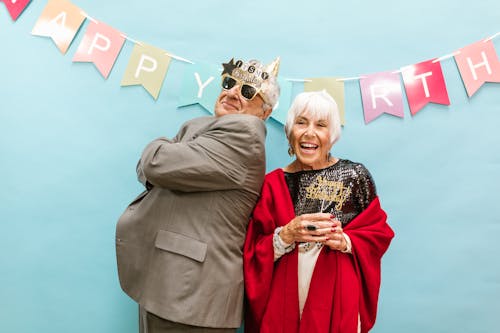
pixel 478 63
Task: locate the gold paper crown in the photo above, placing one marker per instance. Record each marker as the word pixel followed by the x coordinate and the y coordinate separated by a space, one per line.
pixel 252 72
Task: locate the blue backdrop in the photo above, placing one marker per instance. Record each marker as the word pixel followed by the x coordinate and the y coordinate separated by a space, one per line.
pixel 69 142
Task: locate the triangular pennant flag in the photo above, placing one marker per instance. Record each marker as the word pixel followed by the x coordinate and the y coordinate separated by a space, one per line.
pixel 280 111
pixel 148 67
pixel 381 93
pixel 100 45
pixel 333 87
pixel 200 85
pixel 16 7
pixel 60 20
pixel 424 83
pixel 478 63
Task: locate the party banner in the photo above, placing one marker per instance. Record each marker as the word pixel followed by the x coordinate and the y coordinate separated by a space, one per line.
pixel 147 66
pixel 16 7
pixel 478 63
pixel 381 93
pixel 333 87
pixel 201 84
pixel 424 83
pixel 60 20
pixel 100 45
pixel 280 111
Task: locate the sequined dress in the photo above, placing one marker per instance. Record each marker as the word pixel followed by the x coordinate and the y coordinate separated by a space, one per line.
pixel 343 189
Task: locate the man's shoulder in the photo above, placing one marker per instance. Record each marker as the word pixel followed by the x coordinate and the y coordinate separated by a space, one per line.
pixel 236 120
pixel 240 124
pixel 239 120
pixel 200 121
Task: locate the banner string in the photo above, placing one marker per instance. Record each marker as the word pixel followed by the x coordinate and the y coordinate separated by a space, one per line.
pixel 444 57
pixel 447 56
pixel 137 42
pixel 492 37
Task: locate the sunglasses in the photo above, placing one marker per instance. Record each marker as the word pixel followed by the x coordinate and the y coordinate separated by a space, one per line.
pixel 246 90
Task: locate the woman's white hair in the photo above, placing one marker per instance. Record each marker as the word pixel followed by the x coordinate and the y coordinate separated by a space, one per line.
pixel 319 105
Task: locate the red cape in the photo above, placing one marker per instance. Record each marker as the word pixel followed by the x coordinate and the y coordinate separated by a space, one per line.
pixel 342 285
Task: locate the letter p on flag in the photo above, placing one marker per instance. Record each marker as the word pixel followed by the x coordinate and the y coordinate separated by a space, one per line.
pixel 100 45
pixel 148 67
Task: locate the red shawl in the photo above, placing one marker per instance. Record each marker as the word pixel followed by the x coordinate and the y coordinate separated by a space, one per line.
pixel 342 285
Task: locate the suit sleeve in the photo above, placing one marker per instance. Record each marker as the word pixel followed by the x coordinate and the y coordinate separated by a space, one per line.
pixel 215 160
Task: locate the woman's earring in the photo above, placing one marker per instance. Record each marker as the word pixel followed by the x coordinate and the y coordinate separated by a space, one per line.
pixel 290 151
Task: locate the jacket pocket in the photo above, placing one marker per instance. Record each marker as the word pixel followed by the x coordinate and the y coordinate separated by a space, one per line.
pixel 180 244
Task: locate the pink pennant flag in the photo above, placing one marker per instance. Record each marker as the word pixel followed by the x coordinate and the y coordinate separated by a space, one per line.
pixel 478 63
pixel 100 45
pixel 60 20
pixel 381 93
pixel 16 7
pixel 424 83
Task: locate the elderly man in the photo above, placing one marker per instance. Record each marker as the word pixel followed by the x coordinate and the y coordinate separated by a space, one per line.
pixel 179 243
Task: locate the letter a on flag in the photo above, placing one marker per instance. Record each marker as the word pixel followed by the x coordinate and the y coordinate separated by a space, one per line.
pixel 147 66
pixel 60 20
pixel 100 45
pixel 478 63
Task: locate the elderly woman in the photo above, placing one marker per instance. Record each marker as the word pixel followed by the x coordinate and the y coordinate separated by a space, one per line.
pixel 314 245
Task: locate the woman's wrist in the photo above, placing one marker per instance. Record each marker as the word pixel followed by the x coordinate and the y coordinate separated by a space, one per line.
pixel 280 247
pixel 285 235
pixel 348 244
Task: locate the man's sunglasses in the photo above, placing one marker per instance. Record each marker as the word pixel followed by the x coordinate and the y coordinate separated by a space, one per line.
pixel 246 90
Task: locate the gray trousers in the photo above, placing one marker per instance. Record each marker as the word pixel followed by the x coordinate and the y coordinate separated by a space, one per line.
pixel 150 323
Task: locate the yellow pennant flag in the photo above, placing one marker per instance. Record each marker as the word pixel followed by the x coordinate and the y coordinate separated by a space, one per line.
pixel 60 20
pixel 333 87
pixel 147 66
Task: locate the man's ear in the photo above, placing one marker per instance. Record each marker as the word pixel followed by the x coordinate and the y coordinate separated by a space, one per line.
pixel 266 111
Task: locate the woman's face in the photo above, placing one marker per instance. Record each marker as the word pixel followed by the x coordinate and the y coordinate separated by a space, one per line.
pixel 310 140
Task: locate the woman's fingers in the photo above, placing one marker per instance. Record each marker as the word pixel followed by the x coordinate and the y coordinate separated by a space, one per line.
pixel 316 227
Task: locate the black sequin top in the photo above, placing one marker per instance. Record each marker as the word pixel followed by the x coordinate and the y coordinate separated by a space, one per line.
pixel 343 189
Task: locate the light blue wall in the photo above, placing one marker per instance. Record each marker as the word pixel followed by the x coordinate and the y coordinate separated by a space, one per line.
pixel 69 141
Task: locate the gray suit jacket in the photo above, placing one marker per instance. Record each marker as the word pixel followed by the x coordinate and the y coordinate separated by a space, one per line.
pixel 179 244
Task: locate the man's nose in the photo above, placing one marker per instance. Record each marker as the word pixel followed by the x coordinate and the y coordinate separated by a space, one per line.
pixel 234 91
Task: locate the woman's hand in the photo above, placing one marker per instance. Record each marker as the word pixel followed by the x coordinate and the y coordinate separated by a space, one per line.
pixel 315 227
pixel 336 239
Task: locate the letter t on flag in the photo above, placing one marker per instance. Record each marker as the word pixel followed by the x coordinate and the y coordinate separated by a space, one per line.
pixel 478 63
pixel 424 83
pixel 100 45
pixel 16 7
